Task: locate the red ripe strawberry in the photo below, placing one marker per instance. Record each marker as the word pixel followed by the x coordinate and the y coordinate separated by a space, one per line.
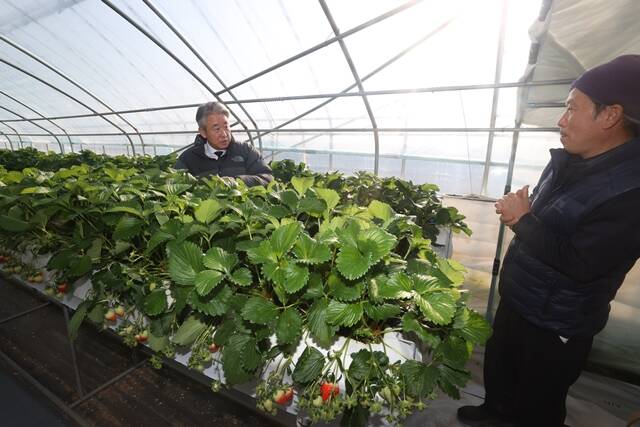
pixel 329 389
pixel 110 316
pixel 214 347
pixel 119 311
pixel 62 287
pixel 142 336
pixel 283 396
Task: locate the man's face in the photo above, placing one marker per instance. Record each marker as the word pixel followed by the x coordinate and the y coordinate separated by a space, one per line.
pixel 217 131
pixel 580 132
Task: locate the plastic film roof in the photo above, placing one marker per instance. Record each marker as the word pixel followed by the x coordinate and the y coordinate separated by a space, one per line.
pixel 123 76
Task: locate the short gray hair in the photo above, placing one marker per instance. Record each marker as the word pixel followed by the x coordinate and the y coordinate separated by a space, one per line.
pixel 207 109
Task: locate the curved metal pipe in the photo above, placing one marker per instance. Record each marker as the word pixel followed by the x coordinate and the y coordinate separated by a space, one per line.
pixel 35 124
pixel 207 66
pixel 171 54
pixel 356 77
pixel 32 122
pixel 76 84
pixel 33 76
pixel 327 42
pixel 16 132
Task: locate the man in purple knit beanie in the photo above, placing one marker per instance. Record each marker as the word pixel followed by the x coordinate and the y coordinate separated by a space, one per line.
pixel 574 241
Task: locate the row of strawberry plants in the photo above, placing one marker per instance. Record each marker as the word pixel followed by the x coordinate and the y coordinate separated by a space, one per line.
pixel 252 274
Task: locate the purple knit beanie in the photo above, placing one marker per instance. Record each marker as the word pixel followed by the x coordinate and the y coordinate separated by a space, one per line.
pixel 615 82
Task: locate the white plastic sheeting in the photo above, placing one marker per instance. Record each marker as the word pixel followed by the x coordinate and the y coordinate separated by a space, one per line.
pixel 78 57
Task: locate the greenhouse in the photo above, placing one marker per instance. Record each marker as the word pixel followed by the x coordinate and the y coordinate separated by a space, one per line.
pixel 298 212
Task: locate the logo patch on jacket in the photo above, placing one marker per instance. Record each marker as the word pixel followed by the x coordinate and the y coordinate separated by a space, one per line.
pixel 237 159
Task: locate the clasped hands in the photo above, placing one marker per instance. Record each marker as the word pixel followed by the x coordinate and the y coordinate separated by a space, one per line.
pixel 513 206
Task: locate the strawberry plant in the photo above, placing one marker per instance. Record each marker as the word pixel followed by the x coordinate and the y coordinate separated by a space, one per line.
pixel 302 284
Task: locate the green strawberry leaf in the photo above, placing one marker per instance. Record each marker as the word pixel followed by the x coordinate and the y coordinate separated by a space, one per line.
pixel 242 277
pixel 309 251
pixel 419 378
pixel 437 307
pixel 341 314
pixel 207 210
pixel 381 312
pixel 309 366
pixel 352 263
pixel 219 259
pixel 190 329
pixel 322 332
pixel 472 326
pixel 155 303
pixel 207 280
pixel 295 277
pixel 454 271
pixel 342 292
pixel 313 206
pixel 284 237
pixel 410 323
pixel 251 357
pixel 185 261
pixel 380 210
pixel 127 227
pixel 451 379
pixel 330 197
pixel 262 253
pixel 301 184
pixel 259 310
pixel 215 303
pixel 289 327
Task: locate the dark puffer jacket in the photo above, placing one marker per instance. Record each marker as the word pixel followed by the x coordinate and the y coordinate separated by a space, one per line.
pixel 572 251
pixel 240 161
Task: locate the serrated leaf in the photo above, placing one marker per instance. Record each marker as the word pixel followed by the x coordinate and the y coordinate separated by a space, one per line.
pixel 453 351
pixel 158 342
pixel 313 206
pixel 451 379
pixel 366 365
pixel 309 251
pixel 284 237
pixel 295 277
pixel 342 292
pixel 419 378
pixel 234 371
pixel 157 238
pixel 79 266
pixel 330 197
pixel 289 327
pixel 95 250
pixel 185 261
pixel 127 227
pixel 155 303
pixel 219 259
pixel 259 310
pixel 454 271
pixel 322 332
pixel 206 280
pixel 342 314
pixel 215 304
pixel 351 263
pixel 472 326
pixel 290 199
pixel 301 184
pixel 36 190
pixel 381 312
pixel 315 288
pixel 396 286
pixel 207 210
pixel 437 307
pixel 410 323
pixel 379 243
pixel 251 357
pixel 309 366
pixel 190 329
pixel 262 253
pixel 380 210
pixel 242 277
